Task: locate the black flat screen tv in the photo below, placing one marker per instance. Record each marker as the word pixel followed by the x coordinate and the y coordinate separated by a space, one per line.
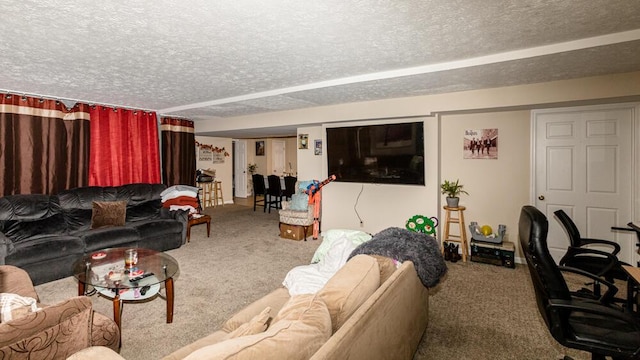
pixel 380 154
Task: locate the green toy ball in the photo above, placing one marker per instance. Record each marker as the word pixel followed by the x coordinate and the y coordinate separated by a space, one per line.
pixel 423 224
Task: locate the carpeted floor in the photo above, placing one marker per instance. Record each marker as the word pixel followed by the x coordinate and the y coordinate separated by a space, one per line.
pixel 477 312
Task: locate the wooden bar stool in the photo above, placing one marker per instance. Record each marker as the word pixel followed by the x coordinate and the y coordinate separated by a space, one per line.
pixel 217 193
pixel 207 193
pixel 461 237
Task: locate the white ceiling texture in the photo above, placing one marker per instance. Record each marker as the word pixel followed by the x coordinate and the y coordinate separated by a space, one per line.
pixel 211 60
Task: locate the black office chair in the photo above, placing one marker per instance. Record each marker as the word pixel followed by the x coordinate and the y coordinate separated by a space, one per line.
pixel 274 193
pixel 601 263
pixel 289 186
pixel 259 190
pixel 575 322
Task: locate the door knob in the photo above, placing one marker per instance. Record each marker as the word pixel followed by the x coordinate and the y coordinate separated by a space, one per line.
pixel 541 197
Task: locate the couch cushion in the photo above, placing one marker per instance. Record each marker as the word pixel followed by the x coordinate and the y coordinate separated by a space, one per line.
pixel 17 230
pixel 350 287
pixel 107 237
pixel 256 325
pixel 28 207
pixel 44 248
pixel 276 300
pixel 298 335
pixel 108 213
pixel 78 220
pixel 146 210
pixel 387 266
pixel 156 228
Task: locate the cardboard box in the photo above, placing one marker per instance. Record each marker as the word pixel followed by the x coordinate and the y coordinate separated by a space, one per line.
pixel 292 232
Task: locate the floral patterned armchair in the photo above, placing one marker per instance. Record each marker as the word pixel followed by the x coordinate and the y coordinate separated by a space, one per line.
pixel 51 332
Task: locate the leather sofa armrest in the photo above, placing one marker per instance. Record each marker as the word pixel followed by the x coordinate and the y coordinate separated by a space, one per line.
pixel 96 352
pixel 16 281
pixel 180 215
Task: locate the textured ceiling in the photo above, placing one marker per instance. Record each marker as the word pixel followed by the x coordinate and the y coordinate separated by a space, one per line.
pixel 210 60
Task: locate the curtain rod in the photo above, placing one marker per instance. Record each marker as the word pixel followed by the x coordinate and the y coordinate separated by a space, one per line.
pixel 49 97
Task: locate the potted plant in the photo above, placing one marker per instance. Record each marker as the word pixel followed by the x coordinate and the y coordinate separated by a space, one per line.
pixel 252 168
pixel 453 191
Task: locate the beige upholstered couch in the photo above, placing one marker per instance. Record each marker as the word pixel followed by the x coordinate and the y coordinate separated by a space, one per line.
pixel 52 332
pixel 367 310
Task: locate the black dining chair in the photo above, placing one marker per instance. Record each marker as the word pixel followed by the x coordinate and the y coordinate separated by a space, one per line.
pixel 586 324
pixel 599 262
pixel 274 193
pixel 289 186
pixel 259 190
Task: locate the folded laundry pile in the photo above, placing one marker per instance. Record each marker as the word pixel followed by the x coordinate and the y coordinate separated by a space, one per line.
pixel 181 197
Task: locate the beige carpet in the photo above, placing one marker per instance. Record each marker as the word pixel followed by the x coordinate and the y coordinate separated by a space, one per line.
pixel 477 312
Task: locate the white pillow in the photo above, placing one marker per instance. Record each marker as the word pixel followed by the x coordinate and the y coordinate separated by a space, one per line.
pixel 14 303
pixel 328 237
pixel 309 279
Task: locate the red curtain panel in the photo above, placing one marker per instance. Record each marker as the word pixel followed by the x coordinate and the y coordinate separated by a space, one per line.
pixel 124 147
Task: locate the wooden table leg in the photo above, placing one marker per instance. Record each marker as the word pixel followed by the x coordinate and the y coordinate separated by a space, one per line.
pixel 168 286
pixel 208 227
pixel 81 288
pixel 117 310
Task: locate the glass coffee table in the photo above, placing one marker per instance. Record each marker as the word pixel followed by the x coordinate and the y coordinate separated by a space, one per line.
pixel 105 271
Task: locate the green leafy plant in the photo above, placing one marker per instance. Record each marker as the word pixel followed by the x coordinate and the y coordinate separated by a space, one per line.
pixel 251 168
pixel 452 189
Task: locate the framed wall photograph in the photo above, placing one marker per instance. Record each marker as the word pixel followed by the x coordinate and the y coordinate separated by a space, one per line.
pixel 317 147
pixel 260 148
pixel 480 144
pixel 303 141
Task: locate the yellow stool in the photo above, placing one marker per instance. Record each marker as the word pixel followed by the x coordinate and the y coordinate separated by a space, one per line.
pixel 461 237
pixel 217 193
pixel 207 193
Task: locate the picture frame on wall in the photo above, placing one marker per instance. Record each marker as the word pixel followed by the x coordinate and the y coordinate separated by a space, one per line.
pixel 480 144
pixel 260 148
pixel 303 141
pixel 317 147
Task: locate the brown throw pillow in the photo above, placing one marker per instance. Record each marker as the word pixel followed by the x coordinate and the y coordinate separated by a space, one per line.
pixel 108 213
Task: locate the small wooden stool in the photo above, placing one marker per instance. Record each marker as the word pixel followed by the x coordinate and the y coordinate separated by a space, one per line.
pixel 461 237
pixel 196 221
pixel 217 193
pixel 207 193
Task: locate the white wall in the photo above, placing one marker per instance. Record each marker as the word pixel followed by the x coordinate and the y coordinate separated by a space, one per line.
pixel 224 172
pixel 497 188
pixel 310 165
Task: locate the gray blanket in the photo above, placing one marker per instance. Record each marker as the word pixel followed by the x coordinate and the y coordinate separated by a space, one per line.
pixel 401 244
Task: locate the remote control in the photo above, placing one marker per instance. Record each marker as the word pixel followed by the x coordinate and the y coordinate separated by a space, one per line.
pixel 140 277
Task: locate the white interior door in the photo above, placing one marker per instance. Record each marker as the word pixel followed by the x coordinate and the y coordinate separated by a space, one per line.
pixel 584 165
pixel 240 168
pixel 278 156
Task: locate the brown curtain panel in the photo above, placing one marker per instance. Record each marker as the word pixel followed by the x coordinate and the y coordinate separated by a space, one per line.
pixel 178 154
pixel 44 146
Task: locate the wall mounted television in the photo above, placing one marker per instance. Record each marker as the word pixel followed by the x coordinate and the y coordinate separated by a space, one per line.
pixel 380 154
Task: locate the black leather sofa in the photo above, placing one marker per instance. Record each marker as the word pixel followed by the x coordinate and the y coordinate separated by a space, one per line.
pixel 46 234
